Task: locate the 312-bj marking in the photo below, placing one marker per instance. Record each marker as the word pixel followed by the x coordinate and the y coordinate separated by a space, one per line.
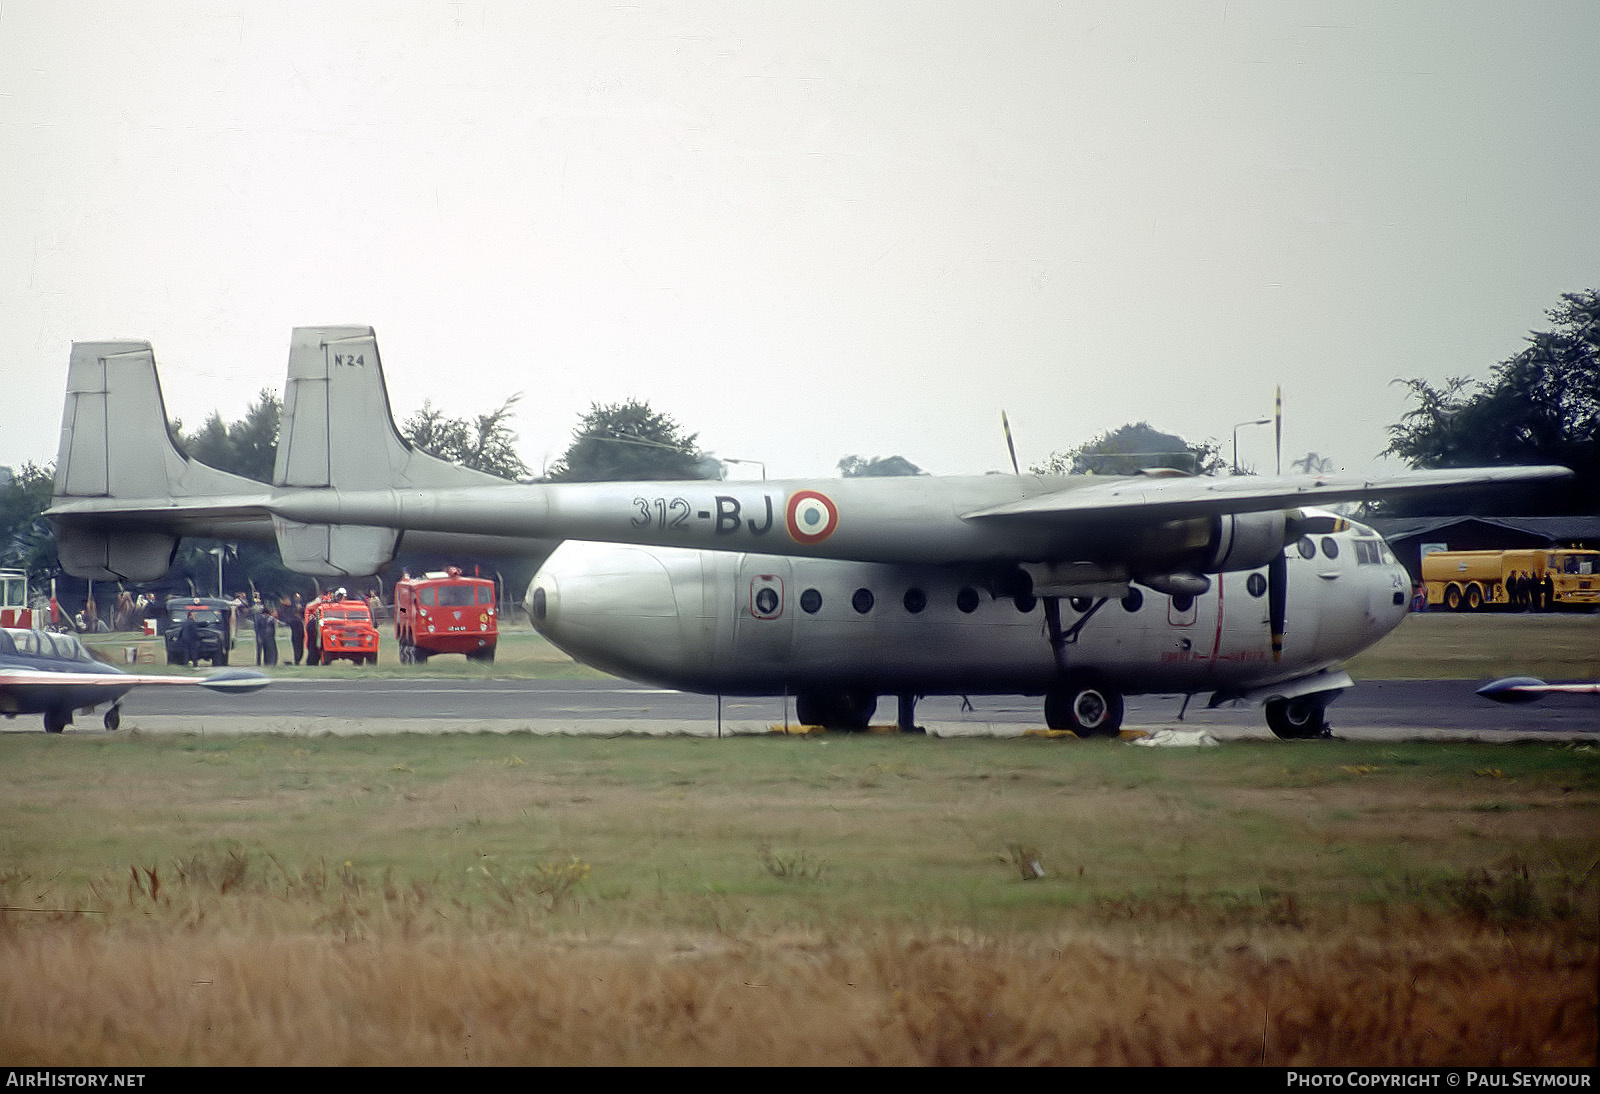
pixel 674 514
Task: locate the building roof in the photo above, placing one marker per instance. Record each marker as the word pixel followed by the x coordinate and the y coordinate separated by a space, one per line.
pixel 1553 530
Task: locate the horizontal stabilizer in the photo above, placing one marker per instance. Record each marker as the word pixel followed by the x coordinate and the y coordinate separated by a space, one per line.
pixel 335 550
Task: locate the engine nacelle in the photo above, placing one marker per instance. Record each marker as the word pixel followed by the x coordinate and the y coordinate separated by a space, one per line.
pixel 1245 541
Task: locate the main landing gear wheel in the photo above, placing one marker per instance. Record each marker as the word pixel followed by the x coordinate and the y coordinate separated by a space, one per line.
pixel 1302 718
pixel 833 710
pixel 57 720
pixel 113 718
pixel 1087 707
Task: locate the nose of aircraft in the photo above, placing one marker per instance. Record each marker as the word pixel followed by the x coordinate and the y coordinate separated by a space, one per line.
pixel 610 606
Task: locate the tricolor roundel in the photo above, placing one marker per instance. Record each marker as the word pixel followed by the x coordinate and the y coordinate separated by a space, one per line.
pixel 811 516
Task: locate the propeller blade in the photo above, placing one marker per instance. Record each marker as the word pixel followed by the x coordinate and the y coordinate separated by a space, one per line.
pixel 1277 600
pixel 1006 425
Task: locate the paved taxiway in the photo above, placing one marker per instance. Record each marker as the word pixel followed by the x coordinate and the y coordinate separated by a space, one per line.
pixel 1380 709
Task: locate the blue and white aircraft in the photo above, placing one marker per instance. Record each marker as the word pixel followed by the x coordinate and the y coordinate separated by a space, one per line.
pixel 55 675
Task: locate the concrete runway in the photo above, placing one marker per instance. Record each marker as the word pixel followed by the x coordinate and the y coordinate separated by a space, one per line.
pixel 1380 710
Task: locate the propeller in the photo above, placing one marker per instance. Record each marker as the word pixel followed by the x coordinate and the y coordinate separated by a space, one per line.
pixel 1296 523
pixel 1006 425
pixel 1277 600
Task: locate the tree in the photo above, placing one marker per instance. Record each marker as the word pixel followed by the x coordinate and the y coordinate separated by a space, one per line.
pixel 1133 447
pixel 1313 464
pixel 629 441
pixel 248 447
pixel 484 444
pixel 1541 405
pixel 869 467
pixel 27 542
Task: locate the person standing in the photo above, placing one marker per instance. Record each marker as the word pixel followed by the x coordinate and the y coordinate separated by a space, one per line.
pixel 297 627
pixel 267 637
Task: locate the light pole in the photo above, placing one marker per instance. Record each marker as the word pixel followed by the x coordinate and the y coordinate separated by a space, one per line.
pixel 1241 425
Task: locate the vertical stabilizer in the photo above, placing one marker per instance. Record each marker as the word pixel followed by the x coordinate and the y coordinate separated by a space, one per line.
pixel 338 434
pixel 115 447
pixel 338 430
pixel 114 439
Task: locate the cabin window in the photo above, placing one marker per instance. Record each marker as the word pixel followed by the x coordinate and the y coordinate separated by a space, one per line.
pixel 862 601
pixel 1182 602
pixel 1080 604
pixel 1025 602
pixel 967 600
pixel 1133 601
pixel 1330 546
pixel 430 596
pixel 1306 548
pixel 811 602
pixel 1256 584
pixel 540 605
pixel 915 600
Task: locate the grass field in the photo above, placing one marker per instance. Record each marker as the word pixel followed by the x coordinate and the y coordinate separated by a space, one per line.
pixel 519 899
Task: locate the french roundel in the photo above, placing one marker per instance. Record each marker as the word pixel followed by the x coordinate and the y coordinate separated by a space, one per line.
pixel 811 516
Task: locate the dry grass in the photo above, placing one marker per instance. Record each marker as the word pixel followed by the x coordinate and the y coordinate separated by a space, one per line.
pixel 494 900
pixel 81 996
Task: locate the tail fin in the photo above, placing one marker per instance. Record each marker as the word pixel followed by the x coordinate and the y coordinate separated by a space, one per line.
pixel 338 432
pixel 115 449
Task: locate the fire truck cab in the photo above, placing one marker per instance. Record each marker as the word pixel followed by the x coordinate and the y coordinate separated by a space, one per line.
pixel 444 612
pixel 338 627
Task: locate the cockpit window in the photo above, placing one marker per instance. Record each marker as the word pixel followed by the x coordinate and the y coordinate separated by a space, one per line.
pixel 1369 552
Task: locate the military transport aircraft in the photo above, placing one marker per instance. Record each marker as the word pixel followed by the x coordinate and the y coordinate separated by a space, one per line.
pixel 1080 589
pixel 55 675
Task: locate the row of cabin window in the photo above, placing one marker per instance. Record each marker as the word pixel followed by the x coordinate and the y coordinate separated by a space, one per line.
pixel 968 599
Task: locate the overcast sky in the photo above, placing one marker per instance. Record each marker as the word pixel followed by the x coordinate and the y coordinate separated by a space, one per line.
pixel 804 229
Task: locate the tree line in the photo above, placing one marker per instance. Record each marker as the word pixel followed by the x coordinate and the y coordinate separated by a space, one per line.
pixel 1540 405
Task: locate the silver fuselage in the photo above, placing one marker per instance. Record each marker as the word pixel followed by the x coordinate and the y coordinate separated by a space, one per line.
pixel 749 624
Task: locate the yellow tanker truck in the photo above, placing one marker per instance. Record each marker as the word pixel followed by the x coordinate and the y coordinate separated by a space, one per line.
pixel 1475 580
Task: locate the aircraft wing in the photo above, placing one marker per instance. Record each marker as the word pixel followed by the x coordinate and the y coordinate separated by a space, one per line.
pixel 22 678
pixel 1525 689
pixel 1158 499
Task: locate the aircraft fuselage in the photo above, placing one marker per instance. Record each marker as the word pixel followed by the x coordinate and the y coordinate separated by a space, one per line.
pixel 751 624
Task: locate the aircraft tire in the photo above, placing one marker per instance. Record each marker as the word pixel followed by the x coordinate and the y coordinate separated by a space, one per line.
pixel 55 721
pixel 1302 718
pixel 113 719
pixel 1087 707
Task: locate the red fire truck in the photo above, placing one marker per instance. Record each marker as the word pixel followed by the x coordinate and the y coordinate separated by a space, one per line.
pixel 444 612
pixel 339 626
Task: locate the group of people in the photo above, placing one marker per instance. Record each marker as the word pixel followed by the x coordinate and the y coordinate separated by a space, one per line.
pixel 265 619
pixel 1528 593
